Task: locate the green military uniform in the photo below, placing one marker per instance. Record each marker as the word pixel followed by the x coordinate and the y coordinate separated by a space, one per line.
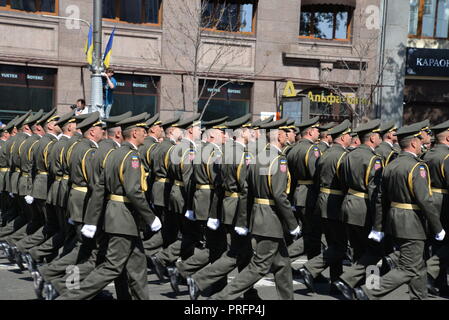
pixel 387 150
pixel 302 160
pixel 408 205
pixel 271 216
pixel 361 173
pixel 257 145
pixel 323 145
pixel 329 203
pixel 3 170
pixel 124 180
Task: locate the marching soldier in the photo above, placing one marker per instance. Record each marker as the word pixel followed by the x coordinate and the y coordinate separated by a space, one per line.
pixel 355 143
pixel 361 174
pixel 4 136
pixel 325 138
pixel 329 203
pixel 408 204
pixel 291 136
pixel 124 180
pixel 387 149
pixel 256 145
pixel 271 219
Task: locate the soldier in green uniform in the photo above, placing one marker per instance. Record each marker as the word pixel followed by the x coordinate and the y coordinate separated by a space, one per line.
pixel 325 138
pixel 291 136
pixel 302 160
pixel 125 183
pixel 272 219
pixel 255 145
pixel 361 174
pixel 387 149
pixel 329 204
pixel 408 205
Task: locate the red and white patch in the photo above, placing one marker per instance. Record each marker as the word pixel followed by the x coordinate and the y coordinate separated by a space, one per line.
pixel 191 155
pixel 283 168
pixel 135 163
pixel 423 172
pixel 377 165
pixel 316 151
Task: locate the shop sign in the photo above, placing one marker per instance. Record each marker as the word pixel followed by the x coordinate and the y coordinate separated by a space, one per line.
pixel 427 62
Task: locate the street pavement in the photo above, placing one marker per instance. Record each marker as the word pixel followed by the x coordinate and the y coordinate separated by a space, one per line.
pixel 17 285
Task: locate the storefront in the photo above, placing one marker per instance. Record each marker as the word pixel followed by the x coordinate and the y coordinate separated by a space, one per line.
pixel 224 99
pixel 135 93
pixel 426 94
pixel 23 88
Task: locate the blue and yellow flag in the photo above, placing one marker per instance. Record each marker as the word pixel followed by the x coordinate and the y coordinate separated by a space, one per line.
pixel 89 47
pixel 108 50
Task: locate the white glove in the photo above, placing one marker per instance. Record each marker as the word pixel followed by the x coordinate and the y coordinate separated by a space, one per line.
pixel 376 235
pixel 190 215
pixel 296 232
pixel 88 231
pixel 241 231
pixel 294 208
pixel 213 223
pixel 29 199
pixel 70 221
pixel 11 195
pixel 440 236
pixel 156 225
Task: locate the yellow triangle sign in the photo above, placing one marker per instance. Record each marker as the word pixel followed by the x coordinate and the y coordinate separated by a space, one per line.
pixel 289 90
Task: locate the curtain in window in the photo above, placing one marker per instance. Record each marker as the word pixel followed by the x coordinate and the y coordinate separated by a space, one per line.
pixel 131 11
pixel 47 5
pixel 151 11
pixel 109 9
pixel 26 5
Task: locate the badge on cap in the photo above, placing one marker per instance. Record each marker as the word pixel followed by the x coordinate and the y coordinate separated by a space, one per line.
pixel 423 171
pixel 317 152
pixel 135 163
pixel 377 164
pixel 283 165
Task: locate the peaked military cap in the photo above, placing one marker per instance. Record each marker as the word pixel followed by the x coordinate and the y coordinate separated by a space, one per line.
pixel 280 125
pixel 311 123
pixel 19 122
pixel 31 120
pixel 66 118
pixel 424 124
pixel 170 123
pixel 327 126
pixel 92 121
pixel 243 121
pixel 353 134
pixel 388 127
pixel 440 127
pixel 154 121
pixel 111 122
pixel 215 124
pixel 134 122
pixel 341 129
pixel 81 117
pixel 369 127
pixel 11 124
pixel 411 131
pixel 189 122
pixel 289 125
pixel 256 124
pixel 48 117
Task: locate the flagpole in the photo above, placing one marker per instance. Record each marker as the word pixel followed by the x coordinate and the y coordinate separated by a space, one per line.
pixel 97 68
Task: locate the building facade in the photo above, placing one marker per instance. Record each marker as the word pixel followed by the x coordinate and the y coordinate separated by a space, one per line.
pixel 296 58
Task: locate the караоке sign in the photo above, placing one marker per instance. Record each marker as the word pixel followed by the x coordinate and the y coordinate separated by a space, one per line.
pixel 427 62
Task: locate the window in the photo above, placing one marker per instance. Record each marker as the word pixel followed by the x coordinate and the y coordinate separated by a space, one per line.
pixel 133 11
pixel 229 15
pixel 232 99
pixel 329 22
pixel 135 93
pixel 429 19
pixel 48 6
pixel 24 88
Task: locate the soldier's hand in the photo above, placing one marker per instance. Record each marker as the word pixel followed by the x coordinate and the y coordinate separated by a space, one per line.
pixel 11 195
pixel 88 231
pixel 376 235
pixel 213 223
pixel 29 199
pixel 156 225
pixel 241 231
pixel 296 233
pixel 70 221
pixel 440 236
pixel 190 215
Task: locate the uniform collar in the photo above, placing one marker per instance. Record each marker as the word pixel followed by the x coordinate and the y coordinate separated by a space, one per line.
pixel 240 144
pixel 275 147
pixel 64 135
pixel 28 134
pixel 389 143
pixel 153 138
pixel 326 143
pixel 53 135
pixel 95 144
pixel 411 153
pixel 132 145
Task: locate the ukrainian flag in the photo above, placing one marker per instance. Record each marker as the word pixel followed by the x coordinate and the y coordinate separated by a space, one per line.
pixel 89 47
pixel 108 50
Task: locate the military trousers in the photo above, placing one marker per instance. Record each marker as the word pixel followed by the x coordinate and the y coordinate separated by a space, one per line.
pixel 437 264
pixel 312 231
pixel 367 252
pixel 166 236
pixel 270 255
pixel 332 257
pixel 124 259
pixel 237 256
pixel 411 270
pixel 4 207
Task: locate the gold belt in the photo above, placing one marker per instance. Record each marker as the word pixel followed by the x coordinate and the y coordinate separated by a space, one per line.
pixel 358 194
pixel 232 194
pixel 117 198
pixel 440 190
pixel 4 169
pixel 58 179
pixel 147 174
pixel 179 183
pixel 204 187
pixel 79 188
pixel 17 170
pixel 42 172
pixel 163 180
pixel 264 201
pixel 66 177
pixel 408 206
pixel 24 174
pixel 305 182
pixel 332 191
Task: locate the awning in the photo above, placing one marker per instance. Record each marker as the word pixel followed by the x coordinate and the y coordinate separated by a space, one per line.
pixel 350 3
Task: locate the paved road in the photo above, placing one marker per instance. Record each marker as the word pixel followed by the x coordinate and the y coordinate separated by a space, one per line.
pixel 19 286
